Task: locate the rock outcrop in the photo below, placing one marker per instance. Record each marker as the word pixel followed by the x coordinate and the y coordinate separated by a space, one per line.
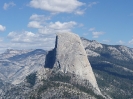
pixel 69 56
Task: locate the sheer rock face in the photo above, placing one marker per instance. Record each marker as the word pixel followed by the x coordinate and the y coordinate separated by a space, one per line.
pixel 70 56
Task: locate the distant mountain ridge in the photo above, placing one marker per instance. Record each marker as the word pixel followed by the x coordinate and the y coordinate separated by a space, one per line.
pixel 17 64
pixel 113 67
pixel 119 52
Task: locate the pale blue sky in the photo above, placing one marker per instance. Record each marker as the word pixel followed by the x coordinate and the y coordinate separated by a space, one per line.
pixel 31 24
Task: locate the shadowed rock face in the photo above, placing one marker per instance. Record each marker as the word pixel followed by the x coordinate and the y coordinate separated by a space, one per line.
pixel 50 59
pixel 69 56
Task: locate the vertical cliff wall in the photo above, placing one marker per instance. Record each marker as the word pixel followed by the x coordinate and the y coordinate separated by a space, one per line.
pixel 69 56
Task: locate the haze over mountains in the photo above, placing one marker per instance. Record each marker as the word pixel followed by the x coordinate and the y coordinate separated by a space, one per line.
pixel 24 73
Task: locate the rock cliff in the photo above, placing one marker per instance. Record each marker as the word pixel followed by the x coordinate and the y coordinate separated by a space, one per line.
pixel 69 56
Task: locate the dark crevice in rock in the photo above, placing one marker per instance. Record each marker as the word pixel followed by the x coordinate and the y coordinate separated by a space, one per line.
pixel 59 64
pixel 56 42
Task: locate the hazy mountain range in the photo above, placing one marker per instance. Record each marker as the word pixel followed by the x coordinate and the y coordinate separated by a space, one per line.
pixel 22 74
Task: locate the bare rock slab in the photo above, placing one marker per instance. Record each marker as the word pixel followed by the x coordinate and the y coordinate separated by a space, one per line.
pixel 70 56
